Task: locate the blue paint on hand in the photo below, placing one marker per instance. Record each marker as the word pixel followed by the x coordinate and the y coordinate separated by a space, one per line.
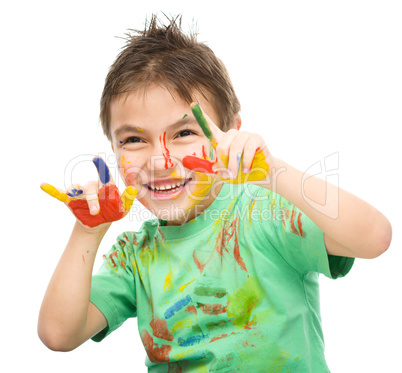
pixel 103 170
pixel 75 192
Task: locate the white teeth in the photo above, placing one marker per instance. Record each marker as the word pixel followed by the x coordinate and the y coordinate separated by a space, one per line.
pixel 163 188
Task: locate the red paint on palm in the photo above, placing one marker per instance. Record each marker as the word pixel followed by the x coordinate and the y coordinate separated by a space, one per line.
pixel 111 208
pixel 198 164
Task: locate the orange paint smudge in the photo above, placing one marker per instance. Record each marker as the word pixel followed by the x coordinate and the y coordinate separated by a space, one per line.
pixel 218 337
pixel 226 234
pixel 212 309
pixel 191 309
pixel 299 223
pixel 160 330
pixel 155 353
pixel 292 223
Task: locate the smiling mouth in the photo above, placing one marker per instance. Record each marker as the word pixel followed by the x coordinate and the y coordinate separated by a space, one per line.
pixel 169 189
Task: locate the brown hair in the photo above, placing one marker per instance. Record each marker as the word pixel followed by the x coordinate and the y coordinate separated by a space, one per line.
pixel 164 54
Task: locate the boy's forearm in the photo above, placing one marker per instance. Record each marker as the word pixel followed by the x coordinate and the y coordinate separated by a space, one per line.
pixel 345 218
pixel 64 307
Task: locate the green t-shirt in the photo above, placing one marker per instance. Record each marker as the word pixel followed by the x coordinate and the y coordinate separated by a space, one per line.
pixel 232 290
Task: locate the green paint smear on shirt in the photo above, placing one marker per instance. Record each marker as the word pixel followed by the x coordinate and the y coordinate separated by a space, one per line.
pixel 210 292
pixel 243 302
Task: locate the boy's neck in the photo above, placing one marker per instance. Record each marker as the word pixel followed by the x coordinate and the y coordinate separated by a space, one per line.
pixel 199 208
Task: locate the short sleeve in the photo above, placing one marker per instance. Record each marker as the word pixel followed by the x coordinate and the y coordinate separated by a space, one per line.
pixel 113 286
pixel 297 239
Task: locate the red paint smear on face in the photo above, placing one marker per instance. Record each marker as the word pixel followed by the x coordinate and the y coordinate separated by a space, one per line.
pixel 212 309
pixel 160 329
pixel 191 309
pixel 166 154
pixel 198 164
pixel 110 208
pixel 204 154
pixel 155 353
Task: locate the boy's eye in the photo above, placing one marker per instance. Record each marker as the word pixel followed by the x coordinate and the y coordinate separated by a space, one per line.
pixel 185 133
pixel 132 139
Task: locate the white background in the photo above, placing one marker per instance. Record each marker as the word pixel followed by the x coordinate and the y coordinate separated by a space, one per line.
pixel 314 78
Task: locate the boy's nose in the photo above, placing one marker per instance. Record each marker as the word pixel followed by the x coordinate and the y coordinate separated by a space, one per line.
pixel 161 162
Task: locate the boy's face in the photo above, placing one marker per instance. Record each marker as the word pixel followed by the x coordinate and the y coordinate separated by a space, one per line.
pixel 151 133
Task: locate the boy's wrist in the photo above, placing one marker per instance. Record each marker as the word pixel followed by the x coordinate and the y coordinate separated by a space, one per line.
pixel 96 233
pixel 276 167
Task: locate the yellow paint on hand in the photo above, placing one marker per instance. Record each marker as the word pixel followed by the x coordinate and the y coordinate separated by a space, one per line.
pixel 185 285
pixel 52 191
pixel 128 197
pixel 259 171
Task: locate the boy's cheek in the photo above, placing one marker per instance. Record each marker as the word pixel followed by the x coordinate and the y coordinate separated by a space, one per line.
pixel 130 170
pixel 200 188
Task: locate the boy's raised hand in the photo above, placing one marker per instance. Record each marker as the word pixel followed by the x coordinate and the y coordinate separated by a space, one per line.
pixel 98 202
pixel 244 155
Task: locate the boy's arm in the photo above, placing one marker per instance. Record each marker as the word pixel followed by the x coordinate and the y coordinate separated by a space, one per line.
pixel 351 226
pixel 67 318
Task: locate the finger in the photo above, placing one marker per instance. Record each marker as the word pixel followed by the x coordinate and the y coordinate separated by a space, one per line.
pixel 54 192
pixel 235 152
pixel 75 191
pixel 250 149
pixel 199 164
pixel 103 171
pixel 128 197
pixel 210 129
pixel 222 152
pixel 258 167
pixel 91 190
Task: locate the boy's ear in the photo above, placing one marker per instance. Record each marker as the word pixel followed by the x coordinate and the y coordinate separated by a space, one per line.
pixel 237 121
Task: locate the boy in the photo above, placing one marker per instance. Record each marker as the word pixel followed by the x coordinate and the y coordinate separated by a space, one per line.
pixel 226 277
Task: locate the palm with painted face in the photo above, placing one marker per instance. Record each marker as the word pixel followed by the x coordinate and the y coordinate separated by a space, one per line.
pixel 98 202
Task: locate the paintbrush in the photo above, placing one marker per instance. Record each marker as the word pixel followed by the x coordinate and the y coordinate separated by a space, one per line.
pixel 199 117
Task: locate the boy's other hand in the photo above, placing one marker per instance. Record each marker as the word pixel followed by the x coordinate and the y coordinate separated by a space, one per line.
pixel 98 202
pixel 240 156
